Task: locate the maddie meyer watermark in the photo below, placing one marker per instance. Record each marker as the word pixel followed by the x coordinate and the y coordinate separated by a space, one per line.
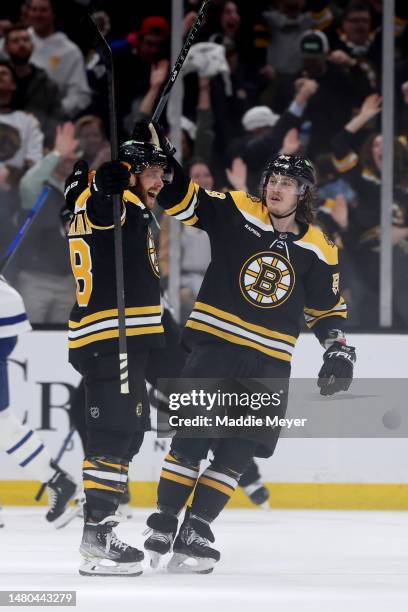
pixel 221 408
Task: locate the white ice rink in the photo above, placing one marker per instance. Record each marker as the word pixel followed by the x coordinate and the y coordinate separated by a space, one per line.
pixel 280 561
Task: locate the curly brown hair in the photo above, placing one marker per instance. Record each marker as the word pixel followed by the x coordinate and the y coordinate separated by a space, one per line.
pixel 305 212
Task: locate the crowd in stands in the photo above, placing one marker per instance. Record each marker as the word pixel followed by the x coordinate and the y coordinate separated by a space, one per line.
pixel 265 77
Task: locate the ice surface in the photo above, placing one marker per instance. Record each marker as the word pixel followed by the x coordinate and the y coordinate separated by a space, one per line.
pixel 280 561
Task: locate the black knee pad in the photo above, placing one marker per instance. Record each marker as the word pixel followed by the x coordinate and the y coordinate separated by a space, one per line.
pixel 234 454
pixel 190 449
pixel 106 407
pixel 112 443
pixel 135 444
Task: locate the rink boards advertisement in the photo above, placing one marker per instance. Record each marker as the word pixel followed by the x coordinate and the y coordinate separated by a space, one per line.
pixel 304 471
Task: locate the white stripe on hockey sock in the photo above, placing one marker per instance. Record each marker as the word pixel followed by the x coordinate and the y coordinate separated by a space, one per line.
pixel 24 447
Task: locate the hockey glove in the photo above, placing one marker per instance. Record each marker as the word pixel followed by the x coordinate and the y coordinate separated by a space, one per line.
pixel 165 144
pixel 336 372
pixel 111 178
pixel 141 132
pixel 76 183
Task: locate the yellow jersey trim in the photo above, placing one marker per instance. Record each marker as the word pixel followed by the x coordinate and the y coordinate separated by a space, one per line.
pixel 114 333
pixel 253 206
pixel 113 312
pixel 177 208
pixel 204 327
pixel 250 326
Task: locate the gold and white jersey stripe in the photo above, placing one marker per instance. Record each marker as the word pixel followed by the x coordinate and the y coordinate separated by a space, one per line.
pixel 104 325
pixel 313 316
pixel 229 327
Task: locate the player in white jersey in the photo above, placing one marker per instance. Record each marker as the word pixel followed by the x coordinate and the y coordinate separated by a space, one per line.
pixel 17 440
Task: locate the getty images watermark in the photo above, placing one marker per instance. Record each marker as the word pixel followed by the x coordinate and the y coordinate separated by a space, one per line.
pixel 220 410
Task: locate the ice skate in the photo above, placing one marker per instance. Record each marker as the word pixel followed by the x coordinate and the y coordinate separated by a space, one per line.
pixel 192 553
pixel 258 494
pixel 105 554
pixel 162 529
pixel 61 490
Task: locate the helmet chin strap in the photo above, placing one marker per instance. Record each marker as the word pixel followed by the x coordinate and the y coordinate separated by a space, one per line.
pixel 293 211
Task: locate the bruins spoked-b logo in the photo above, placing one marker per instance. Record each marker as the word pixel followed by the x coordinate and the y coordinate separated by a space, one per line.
pixel 152 253
pixel 267 279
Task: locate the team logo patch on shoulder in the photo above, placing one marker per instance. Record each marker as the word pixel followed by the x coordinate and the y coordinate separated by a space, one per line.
pixel 216 194
pixel 266 279
pixel 253 198
pixel 152 253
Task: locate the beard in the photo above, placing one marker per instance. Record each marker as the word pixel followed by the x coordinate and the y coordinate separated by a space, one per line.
pixel 20 60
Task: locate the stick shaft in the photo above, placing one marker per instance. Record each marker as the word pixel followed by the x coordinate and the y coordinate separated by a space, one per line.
pixel 22 232
pixel 180 60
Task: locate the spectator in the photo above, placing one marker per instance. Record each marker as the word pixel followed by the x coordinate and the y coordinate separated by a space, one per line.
pixel 144 108
pixel 266 133
pixel 145 48
pixel 94 146
pixel 27 126
pixel 9 145
pixel 358 41
pixel 286 26
pixel 363 172
pixel 341 90
pixel 61 59
pixel 45 279
pixel 36 93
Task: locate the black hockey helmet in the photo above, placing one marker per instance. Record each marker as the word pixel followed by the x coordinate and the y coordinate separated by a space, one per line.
pixel 294 166
pixel 141 155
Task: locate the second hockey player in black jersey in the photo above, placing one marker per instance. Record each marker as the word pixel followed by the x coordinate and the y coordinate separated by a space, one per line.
pixel 269 266
pixel 115 423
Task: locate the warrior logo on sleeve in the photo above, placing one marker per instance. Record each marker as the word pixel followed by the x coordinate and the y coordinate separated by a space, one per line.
pixel 266 280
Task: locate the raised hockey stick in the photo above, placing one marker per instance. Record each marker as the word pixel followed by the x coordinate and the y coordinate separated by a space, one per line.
pixel 180 60
pixel 56 460
pixel 15 244
pixel 105 54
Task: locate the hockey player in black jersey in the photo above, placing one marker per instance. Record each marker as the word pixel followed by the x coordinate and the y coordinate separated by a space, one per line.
pixel 115 423
pixel 269 265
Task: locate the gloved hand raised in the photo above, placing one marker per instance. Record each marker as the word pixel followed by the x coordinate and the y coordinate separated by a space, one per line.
pixel 336 372
pixel 154 133
pixel 76 183
pixel 111 178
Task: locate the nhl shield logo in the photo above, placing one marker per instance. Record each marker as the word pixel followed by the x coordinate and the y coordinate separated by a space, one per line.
pixel 94 412
pixel 267 279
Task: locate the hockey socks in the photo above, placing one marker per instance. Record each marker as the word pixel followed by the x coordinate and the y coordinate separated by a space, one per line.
pixel 105 481
pixel 177 480
pixel 24 447
pixel 213 491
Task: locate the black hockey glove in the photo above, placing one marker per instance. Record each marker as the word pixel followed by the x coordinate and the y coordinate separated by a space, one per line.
pixel 336 372
pixel 165 144
pixel 141 132
pixel 76 183
pixel 111 178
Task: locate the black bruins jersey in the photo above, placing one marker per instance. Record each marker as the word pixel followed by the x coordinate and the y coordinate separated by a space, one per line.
pixel 93 325
pixel 259 281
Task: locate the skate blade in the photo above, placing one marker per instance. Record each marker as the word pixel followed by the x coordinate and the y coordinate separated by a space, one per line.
pixel 183 564
pixel 106 567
